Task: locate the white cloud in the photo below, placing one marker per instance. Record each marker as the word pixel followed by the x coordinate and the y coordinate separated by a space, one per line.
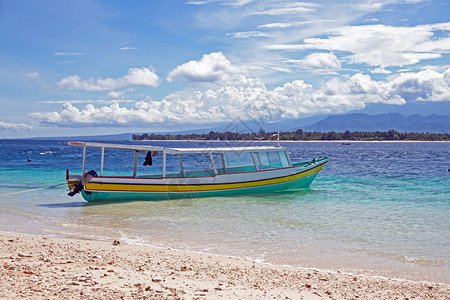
pixel 380 71
pixel 141 77
pixel 128 48
pixel 248 34
pixel 135 77
pixel 32 75
pixel 373 5
pixel 371 20
pixel 201 2
pixel 13 126
pixel 321 60
pixel 212 67
pixel 381 45
pixel 74 82
pixel 427 85
pixel 223 2
pixel 290 8
pixel 238 2
pixel 79 101
pixel 249 98
pixel 117 94
pixel 68 53
pixel 275 25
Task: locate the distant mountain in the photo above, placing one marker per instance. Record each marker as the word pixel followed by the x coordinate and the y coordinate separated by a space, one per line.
pixel 338 123
pixel 98 138
pixel 383 122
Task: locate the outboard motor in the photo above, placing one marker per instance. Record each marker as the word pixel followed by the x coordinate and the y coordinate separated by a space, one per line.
pixel 75 189
pixel 79 186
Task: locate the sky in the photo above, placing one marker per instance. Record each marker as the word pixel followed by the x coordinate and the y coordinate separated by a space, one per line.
pixel 88 67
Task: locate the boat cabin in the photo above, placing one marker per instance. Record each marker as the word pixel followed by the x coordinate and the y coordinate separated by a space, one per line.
pixel 195 162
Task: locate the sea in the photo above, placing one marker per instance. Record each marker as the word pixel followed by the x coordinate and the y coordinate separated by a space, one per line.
pixel 376 208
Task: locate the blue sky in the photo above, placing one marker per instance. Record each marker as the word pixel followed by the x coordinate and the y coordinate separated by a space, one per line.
pixel 87 67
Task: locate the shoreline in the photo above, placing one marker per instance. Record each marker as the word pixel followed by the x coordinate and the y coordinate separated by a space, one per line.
pixel 56 267
pixel 290 141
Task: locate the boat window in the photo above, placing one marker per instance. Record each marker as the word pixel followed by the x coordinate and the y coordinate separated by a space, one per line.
pixel 257 158
pixel 284 160
pixel 264 158
pixel 237 159
pixel 218 162
pixel 261 160
pixel 197 161
pixel 274 159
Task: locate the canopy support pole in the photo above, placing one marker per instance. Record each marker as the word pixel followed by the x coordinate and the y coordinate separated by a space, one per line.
pixel 164 164
pixel 84 160
pixel 212 162
pixel 181 165
pixel 135 163
pixel 288 158
pixel 254 161
pixel 223 162
pixel 101 163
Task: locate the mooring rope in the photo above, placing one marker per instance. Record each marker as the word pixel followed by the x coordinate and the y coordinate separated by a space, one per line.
pixel 31 190
pixel 371 171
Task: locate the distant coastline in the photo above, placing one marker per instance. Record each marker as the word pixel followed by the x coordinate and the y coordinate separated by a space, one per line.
pixel 300 135
pixel 290 141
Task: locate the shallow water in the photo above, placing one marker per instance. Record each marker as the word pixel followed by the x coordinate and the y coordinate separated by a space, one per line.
pixel 375 208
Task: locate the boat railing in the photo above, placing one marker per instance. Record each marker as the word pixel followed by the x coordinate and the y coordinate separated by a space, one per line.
pixel 210 172
pixel 310 162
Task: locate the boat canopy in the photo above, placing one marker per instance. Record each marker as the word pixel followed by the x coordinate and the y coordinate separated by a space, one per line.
pixel 145 148
pixel 260 157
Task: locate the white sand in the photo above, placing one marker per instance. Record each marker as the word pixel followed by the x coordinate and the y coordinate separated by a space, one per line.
pixel 36 267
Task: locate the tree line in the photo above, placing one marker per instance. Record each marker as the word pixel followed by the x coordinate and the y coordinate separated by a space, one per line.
pixel 300 135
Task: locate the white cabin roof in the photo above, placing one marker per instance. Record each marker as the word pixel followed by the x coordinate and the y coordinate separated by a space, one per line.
pixel 145 148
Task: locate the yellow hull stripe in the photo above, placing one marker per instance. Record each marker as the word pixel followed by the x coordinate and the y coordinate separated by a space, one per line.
pixel 92 186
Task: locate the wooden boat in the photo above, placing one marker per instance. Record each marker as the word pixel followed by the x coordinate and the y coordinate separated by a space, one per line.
pixel 231 171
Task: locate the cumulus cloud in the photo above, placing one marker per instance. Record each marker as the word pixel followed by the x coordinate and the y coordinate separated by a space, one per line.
pixel 117 94
pixel 381 45
pixel 249 98
pixel 321 61
pixel 380 71
pixel 212 67
pixel 13 126
pixel 427 85
pixel 135 77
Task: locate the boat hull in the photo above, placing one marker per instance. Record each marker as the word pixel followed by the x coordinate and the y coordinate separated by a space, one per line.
pixel 267 181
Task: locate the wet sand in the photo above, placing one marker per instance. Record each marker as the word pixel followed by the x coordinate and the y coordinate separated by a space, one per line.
pixel 40 267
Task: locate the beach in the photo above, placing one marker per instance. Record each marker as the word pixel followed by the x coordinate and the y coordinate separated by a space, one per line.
pixel 373 225
pixel 42 267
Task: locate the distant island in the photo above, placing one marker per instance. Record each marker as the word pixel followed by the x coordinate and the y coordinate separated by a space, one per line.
pixel 382 122
pixel 300 135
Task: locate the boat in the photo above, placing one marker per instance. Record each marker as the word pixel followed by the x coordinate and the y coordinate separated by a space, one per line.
pixel 220 171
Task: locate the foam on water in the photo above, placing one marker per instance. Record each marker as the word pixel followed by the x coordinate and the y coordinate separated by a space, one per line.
pixel 376 208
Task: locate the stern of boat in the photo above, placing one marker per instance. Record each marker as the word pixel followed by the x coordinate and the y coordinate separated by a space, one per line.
pixel 73 183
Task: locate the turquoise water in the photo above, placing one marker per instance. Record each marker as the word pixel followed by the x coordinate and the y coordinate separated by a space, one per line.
pixel 375 208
